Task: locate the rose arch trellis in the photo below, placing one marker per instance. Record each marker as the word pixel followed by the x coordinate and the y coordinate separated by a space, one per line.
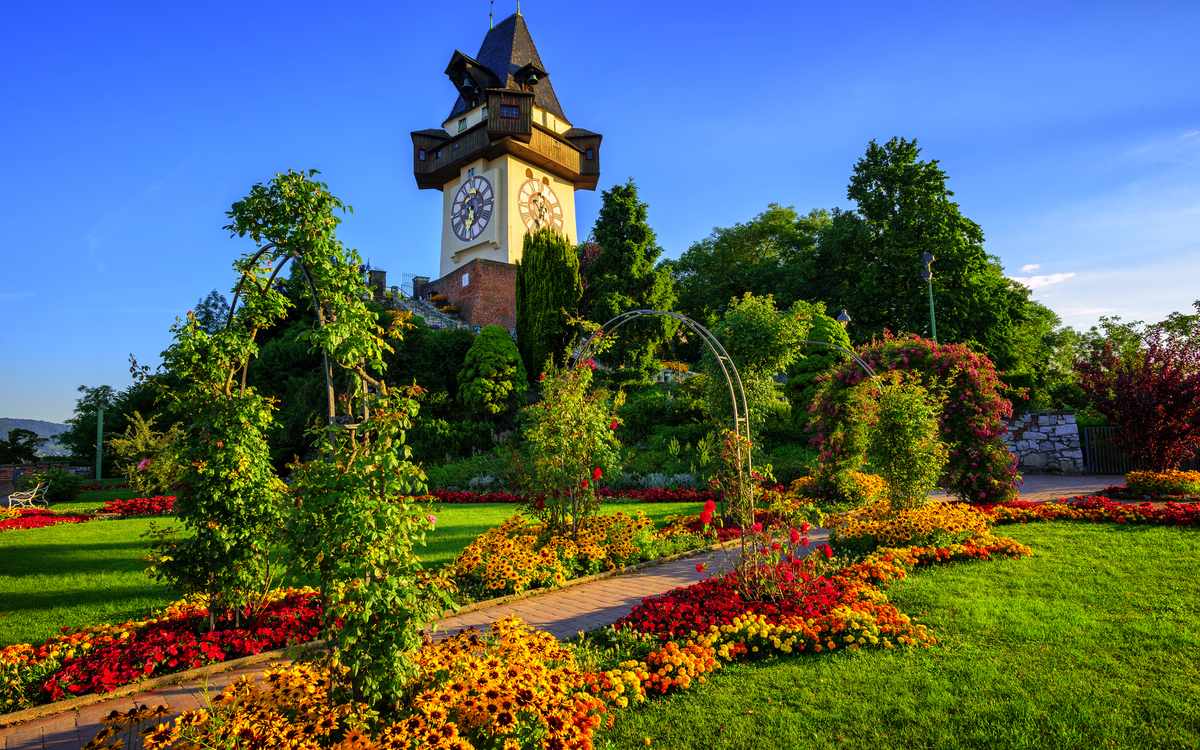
pixel 733 381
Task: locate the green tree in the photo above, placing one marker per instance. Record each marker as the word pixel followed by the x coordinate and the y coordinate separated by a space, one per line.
pixel 571 434
pixel 624 277
pixel 353 525
pixel 21 446
pixel 762 341
pixel 548 290
pixel 905 446
pixel 766 255
pixel 870 261
pixel 492 379
pixel 802 385
pixel 143 456
pixel 212 312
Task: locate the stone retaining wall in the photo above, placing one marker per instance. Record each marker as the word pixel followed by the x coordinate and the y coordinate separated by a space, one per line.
pixel 1045 441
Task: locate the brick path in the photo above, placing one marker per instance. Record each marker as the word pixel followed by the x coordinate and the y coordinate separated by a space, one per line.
pixel 563 613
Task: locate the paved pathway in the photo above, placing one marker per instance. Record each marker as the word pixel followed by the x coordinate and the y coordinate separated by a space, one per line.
pixel 563 613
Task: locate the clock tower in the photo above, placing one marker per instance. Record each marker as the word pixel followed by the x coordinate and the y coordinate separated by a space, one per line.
pixel 506 159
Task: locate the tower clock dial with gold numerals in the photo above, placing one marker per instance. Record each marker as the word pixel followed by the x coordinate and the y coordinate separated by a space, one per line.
pixel 472 208
pixel 539 206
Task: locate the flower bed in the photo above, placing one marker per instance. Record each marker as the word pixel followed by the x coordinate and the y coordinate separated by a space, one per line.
pixel 94 486
pixel 605 493
pixel 26 518
pixel 101 658
pixel 517 555
pixel 1093 509
pixel 141 506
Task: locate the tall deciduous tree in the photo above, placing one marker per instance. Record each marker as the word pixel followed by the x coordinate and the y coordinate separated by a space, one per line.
pixel 766 255
pixel 548 290
pixel 870 261
pixel 1152 394
pixel 20 446
pixel 624 277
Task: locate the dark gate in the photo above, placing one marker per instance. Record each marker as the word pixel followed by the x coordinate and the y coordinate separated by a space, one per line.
pixel 1102 455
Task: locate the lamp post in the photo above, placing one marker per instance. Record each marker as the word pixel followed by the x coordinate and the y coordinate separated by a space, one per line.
pixel 927 274
pixel 843 319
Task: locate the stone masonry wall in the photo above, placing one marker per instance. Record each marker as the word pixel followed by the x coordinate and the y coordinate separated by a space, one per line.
pixel 488 296
pixel 1045 441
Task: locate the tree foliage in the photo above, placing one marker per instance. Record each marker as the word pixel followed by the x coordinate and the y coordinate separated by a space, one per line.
pixel 624 277
pixel 765 256
pixel 548 290
pixel 904 446
pixel 869 261
pixel 980 468
pixel 492 379
pixel 1152 393
pixel 762 341
pixel 571 434
pixel 212 312
pixel 804 373
pixel 20 446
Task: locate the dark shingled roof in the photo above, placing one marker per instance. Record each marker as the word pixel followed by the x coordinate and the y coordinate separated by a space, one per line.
pixel 433 132
pixel 506 49
pixel 579 133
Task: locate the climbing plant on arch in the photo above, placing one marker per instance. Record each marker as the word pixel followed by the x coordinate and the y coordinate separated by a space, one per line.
pixel 347 517
pixel 980 468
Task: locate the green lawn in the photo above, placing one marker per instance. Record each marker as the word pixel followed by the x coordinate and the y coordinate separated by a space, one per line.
pixel 92 573
pixel 1093 642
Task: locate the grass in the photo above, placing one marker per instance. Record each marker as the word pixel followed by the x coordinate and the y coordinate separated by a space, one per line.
pixel 92 573
pixel 1090 643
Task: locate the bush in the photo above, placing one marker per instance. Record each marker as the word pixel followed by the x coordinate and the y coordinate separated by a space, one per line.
pixel 879 525
pixel 1165 483
pixel 904 444
pixel 438 440
pixel 492 379
pixel 64 485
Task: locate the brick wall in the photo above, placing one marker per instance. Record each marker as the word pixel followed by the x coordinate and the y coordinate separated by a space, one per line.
pixel 487 298
pixel 10 472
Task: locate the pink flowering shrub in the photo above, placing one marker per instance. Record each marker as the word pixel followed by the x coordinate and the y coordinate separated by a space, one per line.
pixel 980 468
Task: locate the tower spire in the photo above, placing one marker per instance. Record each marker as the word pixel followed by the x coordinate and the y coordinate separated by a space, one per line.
pixel 491 25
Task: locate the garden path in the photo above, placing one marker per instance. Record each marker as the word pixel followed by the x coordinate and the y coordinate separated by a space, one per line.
pixel 564 613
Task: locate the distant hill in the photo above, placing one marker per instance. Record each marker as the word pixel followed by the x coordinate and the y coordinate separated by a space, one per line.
pixel 43 429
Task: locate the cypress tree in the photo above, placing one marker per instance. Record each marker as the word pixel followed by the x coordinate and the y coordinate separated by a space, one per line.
pixel 547 284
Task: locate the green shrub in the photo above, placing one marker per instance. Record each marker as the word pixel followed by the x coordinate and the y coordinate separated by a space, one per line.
pixel 433 440
pixel 64 485
pixel 492 379
pixel 904 444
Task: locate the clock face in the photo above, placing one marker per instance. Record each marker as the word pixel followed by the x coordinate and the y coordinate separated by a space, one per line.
pixel 539 206
pixel 472 208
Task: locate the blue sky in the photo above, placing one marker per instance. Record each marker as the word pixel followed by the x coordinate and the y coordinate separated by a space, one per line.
pixel 1070 132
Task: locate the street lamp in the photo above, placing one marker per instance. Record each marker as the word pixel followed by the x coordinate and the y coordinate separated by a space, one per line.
pixel 843 319
pixel 927 275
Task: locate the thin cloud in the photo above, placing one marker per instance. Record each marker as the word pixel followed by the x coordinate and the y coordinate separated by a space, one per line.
pixel 1037 282
pixel 15 295
pixel 1030 267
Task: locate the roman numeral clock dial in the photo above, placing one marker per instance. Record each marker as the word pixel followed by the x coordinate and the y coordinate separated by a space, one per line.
pixel 539 206
pixel 472 208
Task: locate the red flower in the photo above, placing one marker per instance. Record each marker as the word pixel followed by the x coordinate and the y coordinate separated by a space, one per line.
pixel 596 474
pixel 583 483
pixel 827 551
pixel 614 425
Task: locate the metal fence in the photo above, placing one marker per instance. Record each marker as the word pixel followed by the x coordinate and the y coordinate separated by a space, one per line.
pixel 1102 455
